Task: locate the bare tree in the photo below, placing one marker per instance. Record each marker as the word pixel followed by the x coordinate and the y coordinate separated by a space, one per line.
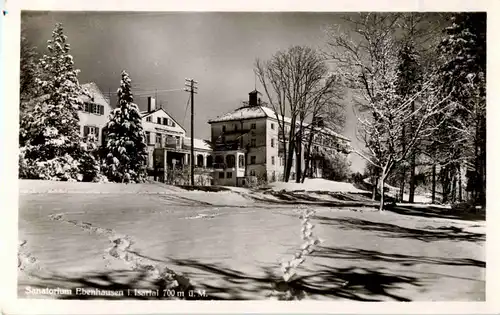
pixel 295 82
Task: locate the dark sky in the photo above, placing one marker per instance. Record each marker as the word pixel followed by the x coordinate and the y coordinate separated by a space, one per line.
pixel 160 50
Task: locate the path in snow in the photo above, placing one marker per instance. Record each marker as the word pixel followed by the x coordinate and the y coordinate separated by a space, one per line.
pixel 121 249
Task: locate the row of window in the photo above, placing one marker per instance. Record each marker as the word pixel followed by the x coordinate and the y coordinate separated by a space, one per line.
pixel 162 121
pixel 228 175
pixel 93 108
pixel 159 139
pixel 231 161
pixel 252 126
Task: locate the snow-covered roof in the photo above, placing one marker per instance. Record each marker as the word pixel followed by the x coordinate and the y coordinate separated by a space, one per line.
pixel 329 131
pixel 146 113
pixel 242 113
pixel 93 90
pixel 252 112
pixel 198 144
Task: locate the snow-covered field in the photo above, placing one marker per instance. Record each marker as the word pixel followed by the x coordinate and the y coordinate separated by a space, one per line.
pixel 74 235
pixel 316 184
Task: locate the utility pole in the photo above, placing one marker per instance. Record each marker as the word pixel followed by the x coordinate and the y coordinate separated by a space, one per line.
pixel 190 83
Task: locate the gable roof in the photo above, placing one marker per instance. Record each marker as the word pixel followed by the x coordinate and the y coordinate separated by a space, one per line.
pixel 146 114
pixel 93 90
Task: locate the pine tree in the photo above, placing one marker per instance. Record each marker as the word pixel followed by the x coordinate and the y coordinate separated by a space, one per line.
pixel 27 85
pixel 126 150
pixel 53 146
pixel 409 82
pixel 463 75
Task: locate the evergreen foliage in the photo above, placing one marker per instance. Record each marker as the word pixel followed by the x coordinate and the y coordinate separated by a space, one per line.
pixel 126 150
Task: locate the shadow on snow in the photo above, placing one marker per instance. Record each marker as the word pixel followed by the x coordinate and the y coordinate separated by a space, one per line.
pixel 395 231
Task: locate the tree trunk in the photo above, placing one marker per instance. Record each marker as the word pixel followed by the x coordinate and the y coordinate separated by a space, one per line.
pixel 454 188
pixel 307 156
pixel 403 175
pixel 460 183
pixel 382 179
pixel 402 186
pixel 411 198
pixel 375 185
pixel 298 157
pixel 434 183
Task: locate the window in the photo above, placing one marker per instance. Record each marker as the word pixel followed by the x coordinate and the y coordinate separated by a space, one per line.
pixel 223 128
pixel 272 160
pixel 253 126
pixel 235 127
pixel 229 175
pixel 148 137
pixel 93 108
pixel 91 130
pixel 272 143
pixel 219 159
pixel 165 121
pixel 221 174
pixel 97 109
pixel 272 126
pixel 173 124
pixel 252 173
pixel 158 120
pixel 230 161
pixel 158 138
pixel 148 118
pixel 253 160
pixel 241 161
pixel 253 143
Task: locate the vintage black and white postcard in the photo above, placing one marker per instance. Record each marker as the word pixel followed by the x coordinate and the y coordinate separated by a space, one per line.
pixel 278 156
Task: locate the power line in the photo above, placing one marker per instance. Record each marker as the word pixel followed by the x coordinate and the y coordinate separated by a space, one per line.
pixel 148 92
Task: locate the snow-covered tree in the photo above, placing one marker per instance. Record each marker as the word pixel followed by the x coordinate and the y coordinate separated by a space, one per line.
pixel 53 144
pixel 125 150
pixel 463 75
pixel 27 84
pixel 369 62
pixel 408 83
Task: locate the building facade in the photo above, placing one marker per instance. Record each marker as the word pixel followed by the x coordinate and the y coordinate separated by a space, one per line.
pixel 248 146
pixel 95 112
pixel 168 146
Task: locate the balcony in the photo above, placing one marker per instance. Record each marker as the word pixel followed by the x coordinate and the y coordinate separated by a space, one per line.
pixel 173 145
pixel 228 146
pixel 219 167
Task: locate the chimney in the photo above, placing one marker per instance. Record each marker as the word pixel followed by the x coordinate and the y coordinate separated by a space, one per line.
pixel 151 104
pixel 252 98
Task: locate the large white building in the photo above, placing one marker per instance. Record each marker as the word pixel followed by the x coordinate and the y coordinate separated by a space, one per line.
pixel 248 147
